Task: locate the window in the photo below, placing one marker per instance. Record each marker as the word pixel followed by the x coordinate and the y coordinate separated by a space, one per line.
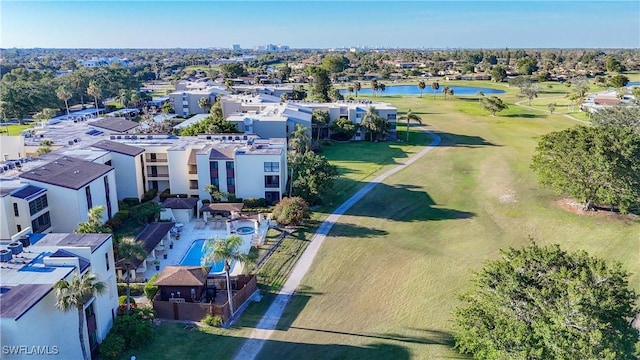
pixel 271 167
pixel 87 192
pixel 107 197
pixel 108 163
pixel 271 197
pixel 229 164
pixel 193 184
pixel 271 181
pixel 15 210
pixel 215 181
pixel 106 259
pixel 19 227
pixel 41 223
pixel 38 204
pixel 213 165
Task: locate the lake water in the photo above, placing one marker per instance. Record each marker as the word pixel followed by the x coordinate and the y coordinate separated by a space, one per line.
pixel 414 90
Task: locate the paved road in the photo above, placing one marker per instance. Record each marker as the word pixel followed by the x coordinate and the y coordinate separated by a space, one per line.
pixel 252 346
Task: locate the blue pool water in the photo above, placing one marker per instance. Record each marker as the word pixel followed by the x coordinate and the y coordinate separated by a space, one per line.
pixel 414 90
pixel 194 256
pixel 245 230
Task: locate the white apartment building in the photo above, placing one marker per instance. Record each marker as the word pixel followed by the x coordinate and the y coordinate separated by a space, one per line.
pixel 128 162
pixel 73 187
pixel 270 120
pixel 31 325
pixel 186 102
pixel 23 206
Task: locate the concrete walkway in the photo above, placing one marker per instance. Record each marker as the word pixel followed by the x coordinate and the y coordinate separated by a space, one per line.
pixel 520 103
pixel 252 346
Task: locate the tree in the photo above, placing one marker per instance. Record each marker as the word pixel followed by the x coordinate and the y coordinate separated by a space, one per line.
pixel 214 192
pixel 335 63
pixel 44 147
pixel 375 125
pixel 545 303
pixel 613 65
pixel 129 249
pixel 63 94
pixel 233 70
pixel 95 91
pixel 45 114
pixel 374 86
pixel 226 250
pixel 493 104
pixel 382 87
pixel 595 165
pixel 551 107
pixel 619 81
pixel 74 294
pixel 291 211
pixel 210 125
pixel 421 86
pixel 320 119
pixel 343 129
pixel 446 91
pixel 299 144
pixel 315 177
pixel 409 117
pixel 321 83
pixel 216 110
pixel 94 223
pixel 618 116
pixel 636 94
pixel 531 91
pixel 357 87
pixel 435 86
pixel 527 65
pixel 204 103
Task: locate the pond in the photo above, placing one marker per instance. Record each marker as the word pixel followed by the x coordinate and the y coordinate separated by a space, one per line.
pixel 414 90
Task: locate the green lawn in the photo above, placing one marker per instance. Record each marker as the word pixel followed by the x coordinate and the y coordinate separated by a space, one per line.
pixel 387 278
pixel 13 130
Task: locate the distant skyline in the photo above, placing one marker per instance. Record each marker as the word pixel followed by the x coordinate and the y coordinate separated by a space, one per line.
pixel 328 24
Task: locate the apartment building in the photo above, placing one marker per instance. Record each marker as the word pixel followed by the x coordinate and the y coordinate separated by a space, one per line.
pixel 30 266
pixel 23 206
pixel 271 120
pixel 186 102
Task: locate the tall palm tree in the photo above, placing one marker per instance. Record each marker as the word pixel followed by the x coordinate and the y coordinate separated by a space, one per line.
pixel 435 86
pixel 224 250
pixel 205 103
pixel 374 86
pixel 63 94
pixel 96 91
pixel 299 144
pixel 421 86
pixel 370 121
pixel 74 294
pixel 128 249
pixel 382 87
pixel 320 119
pixel 357 86
pixel 445 91
pixel 409 117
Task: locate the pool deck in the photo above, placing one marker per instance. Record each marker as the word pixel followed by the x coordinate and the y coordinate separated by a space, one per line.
pixel 193 231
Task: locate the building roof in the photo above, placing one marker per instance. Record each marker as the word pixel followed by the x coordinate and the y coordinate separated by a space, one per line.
pixel 149 237
pixel 182 276
pixel 180 203
pixel 28 192
pixel 67 172
pixel 116 124
pixel 60 253
pixel 192 157
pixel 118 147
pixel 92 241
pixel 222 207
pixel 225 153
pixel 15 300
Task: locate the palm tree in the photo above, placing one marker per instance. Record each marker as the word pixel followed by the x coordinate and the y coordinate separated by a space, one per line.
pixel 382 87
pixel 95 91
pixel 214 192
pixel 205 103
pixel 445 91
pixel 128 249
pixel 369 121
pixel 409 117
pixel 357 86
pixel 74 294
pixel 435 86
pixel 421 86
pixel 224 250
pixel 299 144
pixel 320 119
pixel 374 86
pixel 63 94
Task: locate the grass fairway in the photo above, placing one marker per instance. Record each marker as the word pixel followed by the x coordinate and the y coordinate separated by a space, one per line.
pixel 13 130
pixel 385 282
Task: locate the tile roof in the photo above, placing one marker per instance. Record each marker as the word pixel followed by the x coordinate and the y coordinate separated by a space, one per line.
pixel 182 276
pixel 93 241
pixel 18 299
pixel 118 147
pixel 149 237
pixel 67 172
pixel 180 203
pixel 116 124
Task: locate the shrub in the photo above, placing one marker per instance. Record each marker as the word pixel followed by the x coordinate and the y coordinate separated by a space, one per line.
pixel 112 346
pixel 151 290
pixel 137 289
pixel 122 308
pixel 164 195
pixel 149 195
pixel 213 320
pixel 131 201
pixel 291 211
pixel 135 328
pixel 123 300
pixel 255 203
pixel 122 205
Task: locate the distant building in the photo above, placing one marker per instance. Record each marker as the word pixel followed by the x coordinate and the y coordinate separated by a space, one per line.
pixel 97 62
pixel 235 47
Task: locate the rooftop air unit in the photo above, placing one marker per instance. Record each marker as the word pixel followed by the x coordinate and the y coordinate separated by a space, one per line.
pixel 5 255
pixel 15 247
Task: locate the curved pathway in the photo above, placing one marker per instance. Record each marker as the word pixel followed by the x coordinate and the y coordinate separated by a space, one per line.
pixel 519 103
pixel 252 346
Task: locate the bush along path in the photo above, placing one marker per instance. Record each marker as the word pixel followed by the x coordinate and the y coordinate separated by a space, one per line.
pixel 252 346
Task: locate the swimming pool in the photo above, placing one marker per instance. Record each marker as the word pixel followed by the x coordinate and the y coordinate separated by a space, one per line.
pixel 194 256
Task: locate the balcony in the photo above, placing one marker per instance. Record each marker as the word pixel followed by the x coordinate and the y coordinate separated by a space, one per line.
pixel 157 175
pixel 156 160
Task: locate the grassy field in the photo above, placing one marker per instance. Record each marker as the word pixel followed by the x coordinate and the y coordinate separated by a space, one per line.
pixel 386 280
pixel 13 130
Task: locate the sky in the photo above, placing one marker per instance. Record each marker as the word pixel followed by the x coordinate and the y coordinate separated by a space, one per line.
pixel 325 24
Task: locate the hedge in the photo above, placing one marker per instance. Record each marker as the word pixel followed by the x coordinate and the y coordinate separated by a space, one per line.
pixel 137 289
pixel 149 195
